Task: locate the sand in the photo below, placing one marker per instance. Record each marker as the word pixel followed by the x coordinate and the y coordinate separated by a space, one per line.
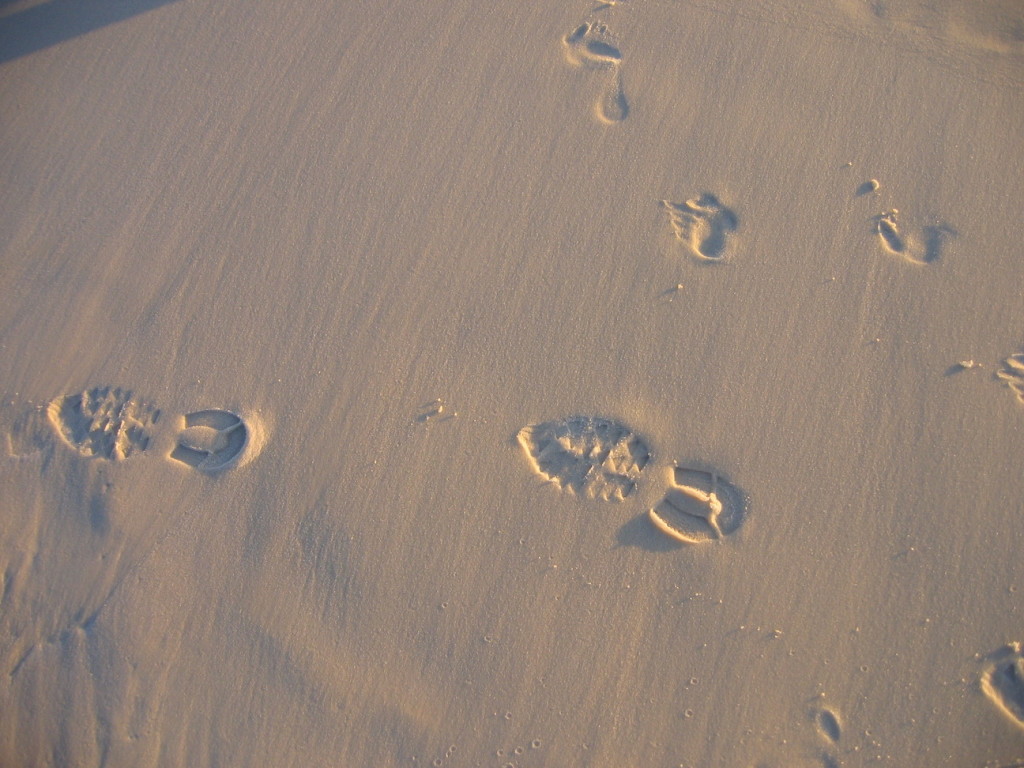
pixel 560 384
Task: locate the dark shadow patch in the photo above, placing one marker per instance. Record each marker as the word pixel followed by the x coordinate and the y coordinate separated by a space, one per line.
pixel 933 241
pixel 639 532
pixel 99 513
pixel 866 188
pixel 46 25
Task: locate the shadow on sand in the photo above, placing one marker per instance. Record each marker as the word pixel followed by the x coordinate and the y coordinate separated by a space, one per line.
pixel 40 26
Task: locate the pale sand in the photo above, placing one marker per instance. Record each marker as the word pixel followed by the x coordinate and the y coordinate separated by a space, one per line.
pixel 317 266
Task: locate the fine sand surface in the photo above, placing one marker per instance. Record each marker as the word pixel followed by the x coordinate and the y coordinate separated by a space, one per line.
pixel 537 384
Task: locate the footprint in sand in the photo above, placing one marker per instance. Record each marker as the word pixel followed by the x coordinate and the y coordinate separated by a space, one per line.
pixel 926 250
pixel 830 729
pixel 593 457
pixel 590 46
pixel 1012 373
pixel 211 440
pixel 1002 682
pixel 698 507
pixel 110 423
pixel 104 422
pixel 868 187
pixel 703 223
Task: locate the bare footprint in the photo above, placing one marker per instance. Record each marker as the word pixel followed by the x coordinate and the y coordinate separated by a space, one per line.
pixel 590 46
pixel 593 457
pixel 830 729
pixel 612 106
pixel 885 225
pixel 927 250
pixel 1012 373
pixel 828 725
pixel 1002 682
pixel 211 440
pixel 698 507
pixel 103 422
pixel 704 224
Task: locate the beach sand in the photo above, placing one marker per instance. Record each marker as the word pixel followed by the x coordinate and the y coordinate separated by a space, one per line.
pixel 559 384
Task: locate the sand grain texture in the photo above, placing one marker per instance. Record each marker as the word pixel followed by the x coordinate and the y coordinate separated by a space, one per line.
pixel 349 251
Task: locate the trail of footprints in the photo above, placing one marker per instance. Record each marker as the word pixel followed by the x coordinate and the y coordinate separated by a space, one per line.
pixel 112 424
pixel 588 456
pixel 704 224
pixel 603 459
